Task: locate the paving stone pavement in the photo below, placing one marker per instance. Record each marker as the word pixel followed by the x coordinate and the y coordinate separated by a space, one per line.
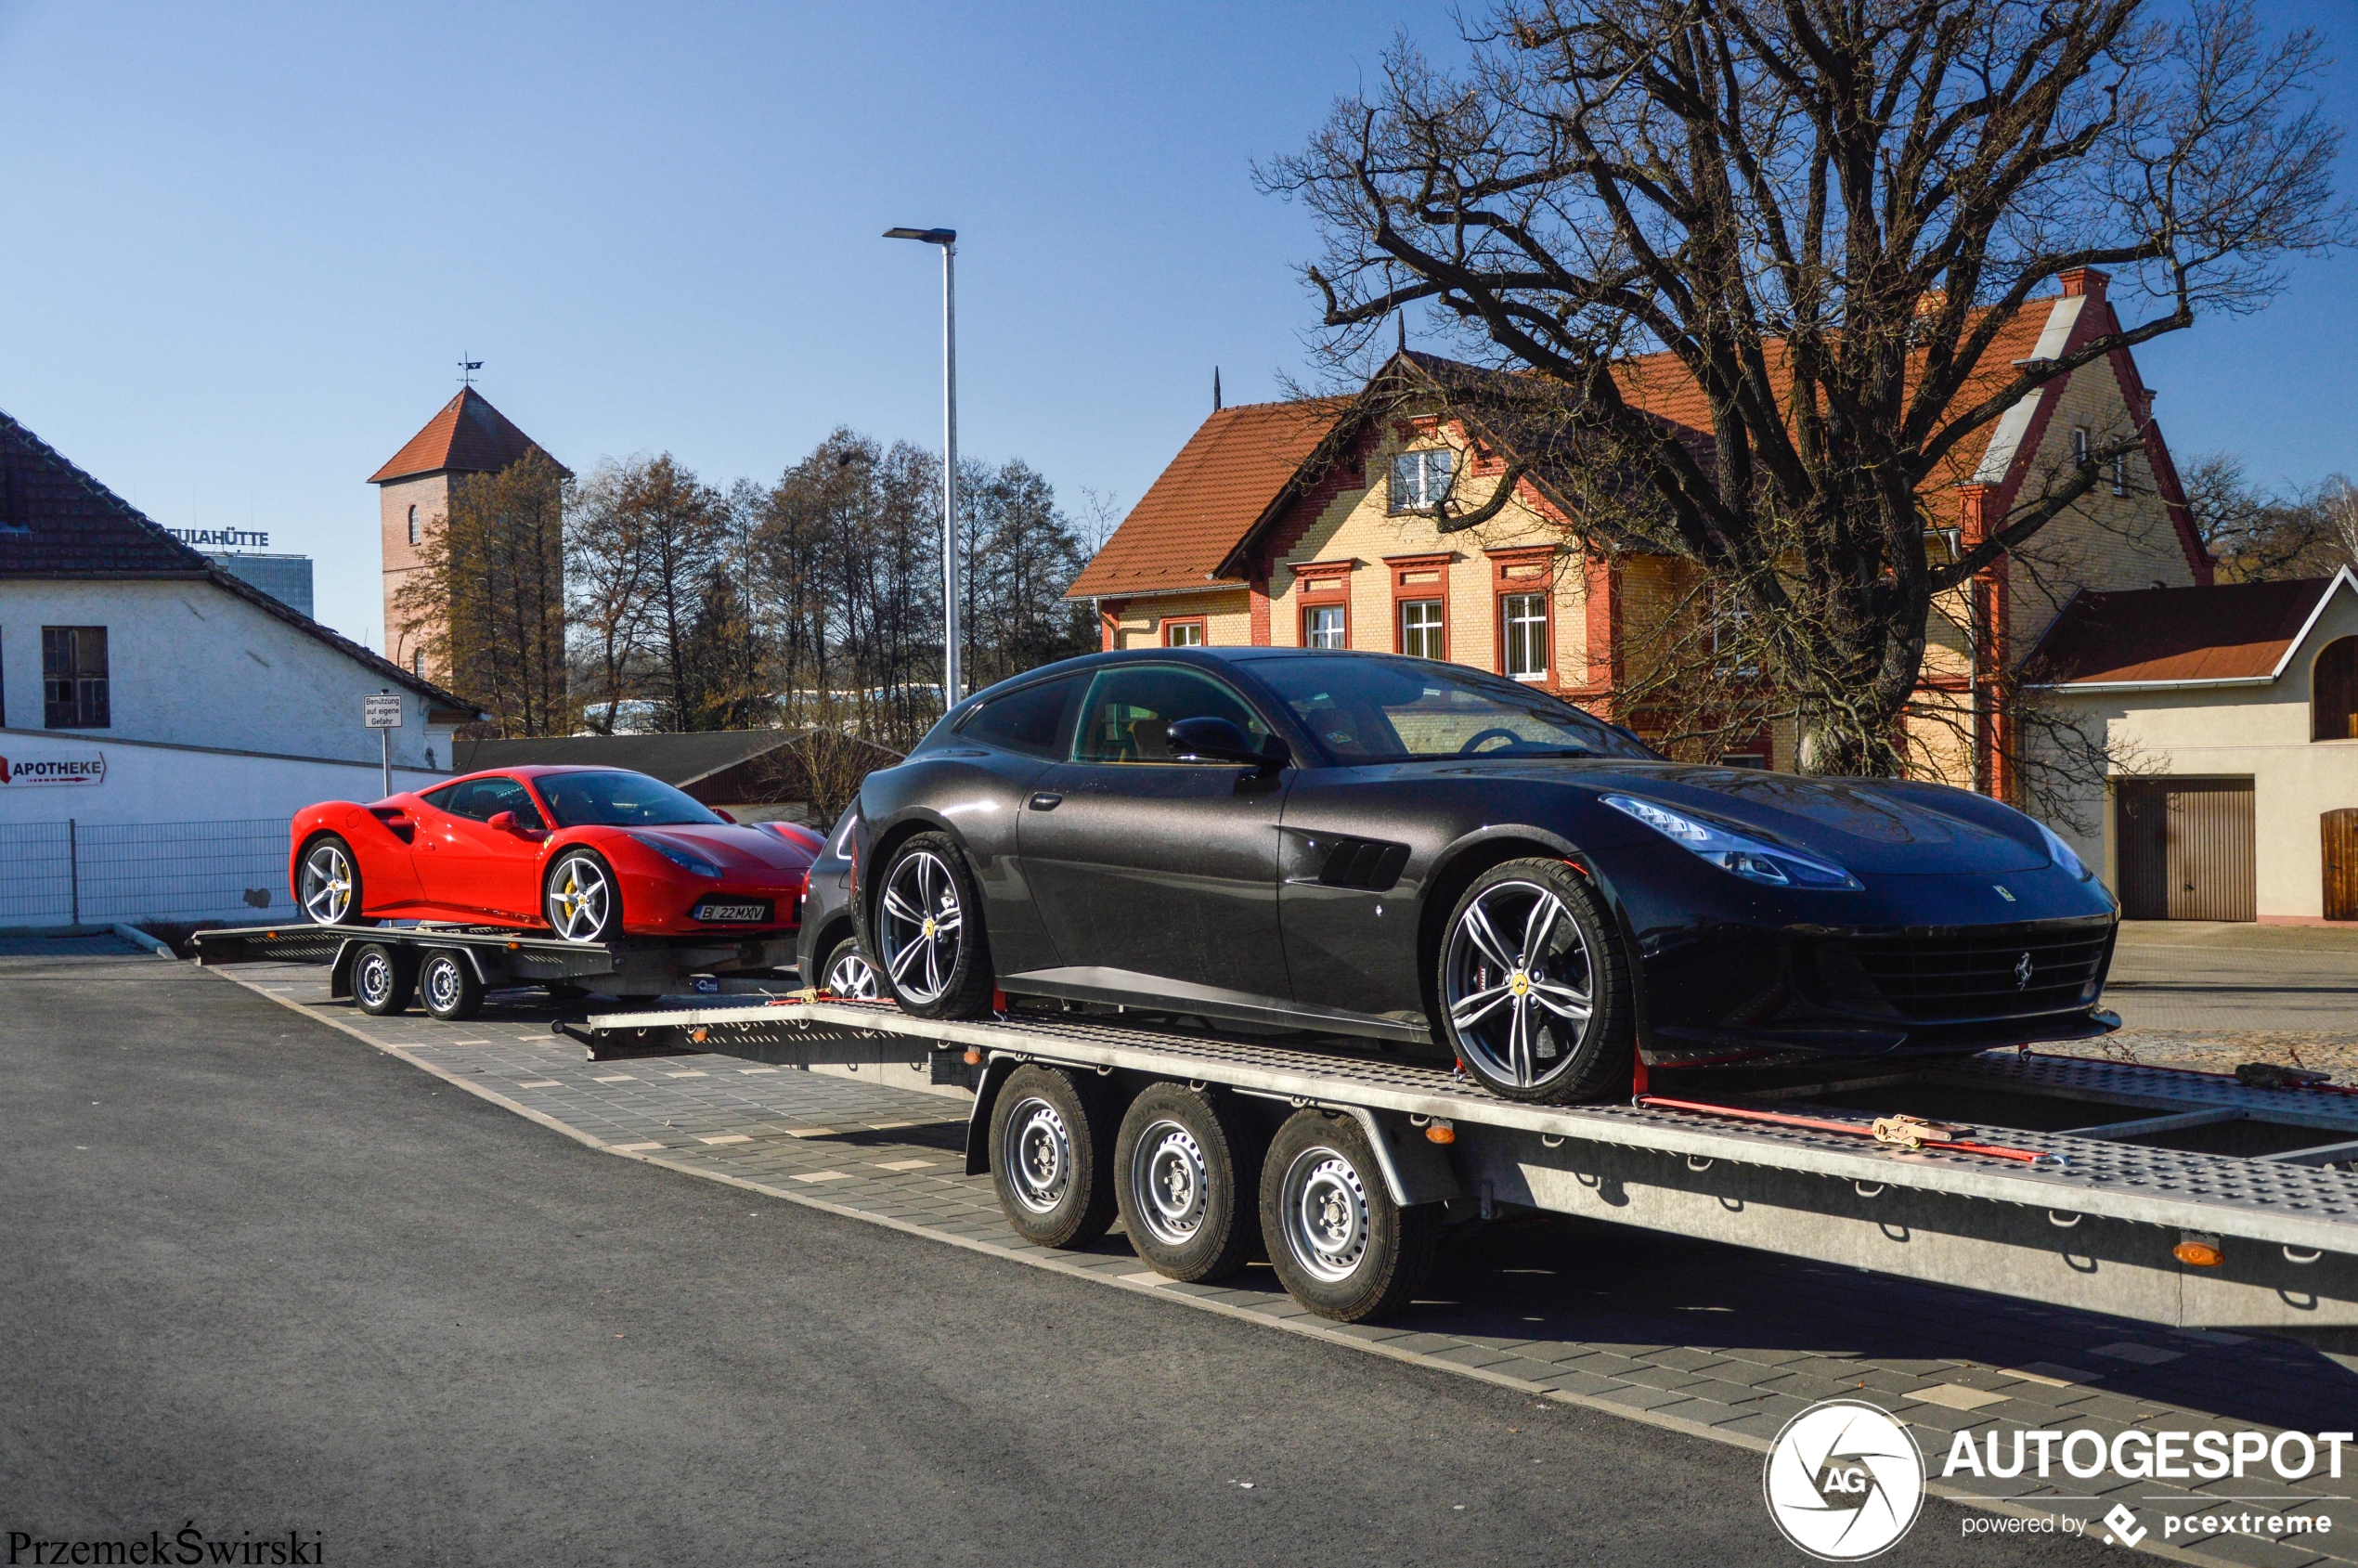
pixel 1715 1340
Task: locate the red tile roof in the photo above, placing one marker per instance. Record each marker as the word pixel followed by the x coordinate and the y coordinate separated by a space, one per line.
pixel 2168 636
pixel 1221 483
pixel 469 436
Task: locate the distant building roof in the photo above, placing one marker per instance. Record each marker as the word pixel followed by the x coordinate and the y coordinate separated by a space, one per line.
pixel 2226 634
pixel 55 521
pixel 468 436
pixel 1236 463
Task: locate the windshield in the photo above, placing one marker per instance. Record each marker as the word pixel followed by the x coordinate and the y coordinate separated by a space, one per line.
pixel 617 800
pixel 1368 708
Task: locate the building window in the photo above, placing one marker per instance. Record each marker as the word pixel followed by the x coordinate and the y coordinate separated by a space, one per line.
pixel 1420 634
pixel 2333 693
pixel 413 525
pixel 1182 632
pixel 418 664
pixel 2120 473
pixel 1524 619
pixel 2079 445
pixel 1730 619
pixel 73 678
pixel 1325 626
pixel 1757 759
pixel 1420 480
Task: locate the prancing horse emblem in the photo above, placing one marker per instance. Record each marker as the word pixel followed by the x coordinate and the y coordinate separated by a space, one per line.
pixel 2022 973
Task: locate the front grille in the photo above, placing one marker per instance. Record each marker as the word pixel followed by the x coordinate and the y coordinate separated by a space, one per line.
pixel 1968 977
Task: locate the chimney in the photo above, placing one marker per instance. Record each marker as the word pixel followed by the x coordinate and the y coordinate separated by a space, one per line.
pixel 2085 280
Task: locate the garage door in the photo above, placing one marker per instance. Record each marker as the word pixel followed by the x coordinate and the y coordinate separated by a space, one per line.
pixel 2186 849
pixel 2340 831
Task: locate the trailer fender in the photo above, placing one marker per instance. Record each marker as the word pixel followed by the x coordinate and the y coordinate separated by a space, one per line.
pixel 1414 1169
pixel 994 1078
pixel 340 971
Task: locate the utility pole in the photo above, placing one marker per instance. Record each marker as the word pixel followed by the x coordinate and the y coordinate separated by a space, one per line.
pixel 947 240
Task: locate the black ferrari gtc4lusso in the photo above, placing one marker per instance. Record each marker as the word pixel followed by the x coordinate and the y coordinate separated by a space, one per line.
pixel 1365 845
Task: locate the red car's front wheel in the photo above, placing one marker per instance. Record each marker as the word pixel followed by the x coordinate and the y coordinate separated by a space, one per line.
pixel 582 899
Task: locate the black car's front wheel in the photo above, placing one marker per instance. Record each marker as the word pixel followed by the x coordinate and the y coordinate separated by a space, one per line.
pixel 931 955
pixel 1534 986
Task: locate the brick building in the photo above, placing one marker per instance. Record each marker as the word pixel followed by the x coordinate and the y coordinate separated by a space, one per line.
pixel 1294 525
pixel 413 490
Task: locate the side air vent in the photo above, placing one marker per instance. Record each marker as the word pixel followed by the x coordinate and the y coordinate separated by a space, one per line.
pixel 1368 863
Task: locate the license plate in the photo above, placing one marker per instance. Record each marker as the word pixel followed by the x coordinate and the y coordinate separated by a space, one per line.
pixel 732 913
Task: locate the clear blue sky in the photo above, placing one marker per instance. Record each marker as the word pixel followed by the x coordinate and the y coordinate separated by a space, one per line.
pixel 242 246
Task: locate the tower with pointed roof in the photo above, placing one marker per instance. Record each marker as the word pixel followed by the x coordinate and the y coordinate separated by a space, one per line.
pixel 413 488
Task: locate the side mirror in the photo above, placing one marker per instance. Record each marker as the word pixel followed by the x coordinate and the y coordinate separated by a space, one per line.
pixel 502 822
pixel 722 815
pixel 1221 740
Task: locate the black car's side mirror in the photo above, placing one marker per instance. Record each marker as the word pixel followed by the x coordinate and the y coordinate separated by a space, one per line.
pixel 1221 740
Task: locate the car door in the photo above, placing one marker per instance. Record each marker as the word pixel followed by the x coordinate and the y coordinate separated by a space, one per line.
pixel 466 864
pixel 1142 863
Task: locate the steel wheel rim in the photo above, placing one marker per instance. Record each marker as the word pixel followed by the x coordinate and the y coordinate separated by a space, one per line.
pixel 1327 1220
pixel 1517 983
pixel 922 926
pixel 1040 1156
pixel 579 897
pixel 326 886
pixel 373 981
pixel 852 975
pixel 441 984
pixel 1170 1182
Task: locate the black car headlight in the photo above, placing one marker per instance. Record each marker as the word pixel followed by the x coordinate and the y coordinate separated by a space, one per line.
pixel 2061 852
pixel 1748 858
pixel 694 864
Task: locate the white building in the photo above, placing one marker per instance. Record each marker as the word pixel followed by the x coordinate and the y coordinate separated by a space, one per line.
pixel 142 686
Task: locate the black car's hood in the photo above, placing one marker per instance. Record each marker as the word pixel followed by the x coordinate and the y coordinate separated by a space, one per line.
pixel 1886 826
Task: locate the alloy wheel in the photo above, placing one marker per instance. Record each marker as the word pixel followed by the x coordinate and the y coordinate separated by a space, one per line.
pixel 578 900
pixel 921 926
pixel 1517 982
pixel 327 885
pixel 851 976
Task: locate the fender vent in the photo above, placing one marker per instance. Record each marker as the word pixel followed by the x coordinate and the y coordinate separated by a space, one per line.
pixel 1368 863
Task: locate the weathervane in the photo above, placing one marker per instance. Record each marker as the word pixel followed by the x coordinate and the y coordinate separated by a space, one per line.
pixel 467 369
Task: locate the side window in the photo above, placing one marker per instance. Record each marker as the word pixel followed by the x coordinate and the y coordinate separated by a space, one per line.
pixel 1030 721
pixel 440 799
pixel 1130 710
pixel 494 796
pixel 73 678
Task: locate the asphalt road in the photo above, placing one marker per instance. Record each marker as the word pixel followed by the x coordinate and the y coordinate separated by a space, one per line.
pixel 257 1276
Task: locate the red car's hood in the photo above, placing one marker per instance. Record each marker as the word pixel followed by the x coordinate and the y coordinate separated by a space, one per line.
pixel 733 846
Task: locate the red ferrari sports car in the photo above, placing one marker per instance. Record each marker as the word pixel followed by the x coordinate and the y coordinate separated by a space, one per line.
pixel 591 853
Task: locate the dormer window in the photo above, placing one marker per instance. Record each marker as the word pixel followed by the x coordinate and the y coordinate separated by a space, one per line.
pixel 1420 480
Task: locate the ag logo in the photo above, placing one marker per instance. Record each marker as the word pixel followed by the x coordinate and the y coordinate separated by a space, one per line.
pixel 1843 1480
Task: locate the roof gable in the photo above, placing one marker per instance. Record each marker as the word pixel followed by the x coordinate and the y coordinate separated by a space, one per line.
pixel 2222 634
pixel 468 436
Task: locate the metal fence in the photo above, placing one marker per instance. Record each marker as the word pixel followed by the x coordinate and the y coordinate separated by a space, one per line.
pixel 60 874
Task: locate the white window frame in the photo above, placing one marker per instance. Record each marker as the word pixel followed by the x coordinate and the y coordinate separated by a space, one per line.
pixel 1524 617
pixel 1420 480
pixel 1320 636
pixel 1434 633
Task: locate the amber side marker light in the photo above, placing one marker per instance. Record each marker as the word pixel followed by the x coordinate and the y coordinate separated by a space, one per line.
pixel 973 1058
pixel 1440 1132
pixel 2199 1251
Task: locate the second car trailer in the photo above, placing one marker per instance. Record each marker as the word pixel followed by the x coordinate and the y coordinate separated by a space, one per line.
pixel 2178 1197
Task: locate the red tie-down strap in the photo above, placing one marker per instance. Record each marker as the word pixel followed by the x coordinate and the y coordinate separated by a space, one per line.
pixel 1898 1131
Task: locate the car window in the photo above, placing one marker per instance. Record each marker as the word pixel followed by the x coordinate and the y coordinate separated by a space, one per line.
pixel 1030 721
pixel 1368 708
pixel 1131 708
pixel 481 800
pixel 611 798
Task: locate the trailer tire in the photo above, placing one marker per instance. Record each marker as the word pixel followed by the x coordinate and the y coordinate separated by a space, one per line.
pixel 1187 1179
pixel 1052 1140
pixel 449 986
pixel 382 979
pixel 1339 1244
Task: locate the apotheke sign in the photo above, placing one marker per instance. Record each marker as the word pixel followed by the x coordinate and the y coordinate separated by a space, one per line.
pixel 90 769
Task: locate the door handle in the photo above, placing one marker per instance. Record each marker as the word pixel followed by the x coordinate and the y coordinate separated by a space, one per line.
pixel 1046 802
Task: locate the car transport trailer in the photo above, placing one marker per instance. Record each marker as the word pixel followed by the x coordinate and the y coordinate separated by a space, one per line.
pixel 448 968
pixel 2180 1198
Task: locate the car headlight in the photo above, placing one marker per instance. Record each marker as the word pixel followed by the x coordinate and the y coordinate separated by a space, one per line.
pixel 2061 852
pixel 694 864
pixel 1748 858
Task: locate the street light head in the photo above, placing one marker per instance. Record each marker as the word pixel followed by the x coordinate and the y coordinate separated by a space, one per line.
pixel 931 235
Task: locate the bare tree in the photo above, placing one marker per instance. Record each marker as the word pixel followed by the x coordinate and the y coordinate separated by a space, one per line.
pixel 2258 534
pixel 1827 211
pixel 1021 554
pixel 490 595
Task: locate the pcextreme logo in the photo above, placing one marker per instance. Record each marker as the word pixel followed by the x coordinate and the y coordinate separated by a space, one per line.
pixel 1843 1480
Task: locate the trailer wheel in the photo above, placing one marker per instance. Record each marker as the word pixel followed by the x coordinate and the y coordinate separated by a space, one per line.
pixel 448 987
pixel 382 978
pixel 932 956
pixel 1052 1157
pixel 1534 988
pixel 1187 1175
pixel 1340 1246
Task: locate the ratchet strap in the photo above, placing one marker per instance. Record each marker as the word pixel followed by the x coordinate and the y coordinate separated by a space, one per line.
pixel 1898 1131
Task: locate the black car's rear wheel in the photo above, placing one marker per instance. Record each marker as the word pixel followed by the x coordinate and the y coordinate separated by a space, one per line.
pixel 931 955
pixel 1535 985
pixel 846 972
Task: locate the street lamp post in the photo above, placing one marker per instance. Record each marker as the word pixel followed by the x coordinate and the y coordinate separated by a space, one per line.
pixel 947 240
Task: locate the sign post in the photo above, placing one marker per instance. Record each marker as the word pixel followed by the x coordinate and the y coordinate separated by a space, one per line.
pixel 382 713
